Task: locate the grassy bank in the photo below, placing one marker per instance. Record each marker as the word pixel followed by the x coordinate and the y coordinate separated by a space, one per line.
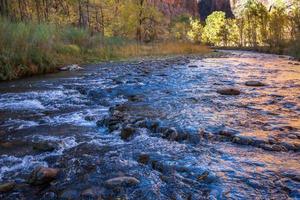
pixel 291 50
pixel 28 48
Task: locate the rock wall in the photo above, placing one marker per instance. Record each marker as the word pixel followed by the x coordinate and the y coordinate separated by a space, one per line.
pixel 203 8
pixel 176 7
pixel 206 7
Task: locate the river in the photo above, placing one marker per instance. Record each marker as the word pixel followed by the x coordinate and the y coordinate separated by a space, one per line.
pixel 160 121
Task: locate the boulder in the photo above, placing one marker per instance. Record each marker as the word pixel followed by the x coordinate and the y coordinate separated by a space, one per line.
pixel 6 187
pixel 144 159
pixel 255 84
pixel 43 146
pixel 43 175
pixel 193 66
pixel 122 181
pixel 229 91
pixel 127 132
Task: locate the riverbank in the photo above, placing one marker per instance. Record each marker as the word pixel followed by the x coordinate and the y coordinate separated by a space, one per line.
pixel 292 51
pixel 28 49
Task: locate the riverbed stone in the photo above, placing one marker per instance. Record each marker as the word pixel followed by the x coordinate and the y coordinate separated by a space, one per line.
pixel 6 187
pixel 43 146
pixel 127 132
pixel 125 181
pixel 144 158
pixel 89 193
pixel 229 91
pixel 255 84
pixel 69 194
pixel 170 134
pixel 43 175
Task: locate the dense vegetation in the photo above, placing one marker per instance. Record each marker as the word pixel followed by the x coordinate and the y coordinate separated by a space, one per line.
pixel 275 29
pixel 36 36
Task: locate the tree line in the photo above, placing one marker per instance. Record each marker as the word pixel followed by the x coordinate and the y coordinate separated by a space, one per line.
pixel 254 26
pixel 131 18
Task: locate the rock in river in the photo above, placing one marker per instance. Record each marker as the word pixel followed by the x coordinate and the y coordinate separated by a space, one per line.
pixel 73 67
pixel 144 159
pixel 42 175
pixel 127 132
pixel 255 84
pixel 6 187
pixel 229 91
pixel 43 146
pixel 122 181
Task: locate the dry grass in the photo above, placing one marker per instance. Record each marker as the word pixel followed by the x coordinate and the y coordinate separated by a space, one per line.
pixel 160 49
pixel 28 48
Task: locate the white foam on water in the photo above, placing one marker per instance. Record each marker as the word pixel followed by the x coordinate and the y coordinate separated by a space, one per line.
pixel 18 124
pixel 12 163
pixel 22 105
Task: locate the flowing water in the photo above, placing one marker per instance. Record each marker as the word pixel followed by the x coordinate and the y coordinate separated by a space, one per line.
pixel 198 144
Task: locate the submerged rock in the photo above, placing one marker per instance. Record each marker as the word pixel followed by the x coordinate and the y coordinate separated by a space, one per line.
pixel 122 181
pixel 43 146
pixel 229 91
pixel 6 187
pixel 69 194
pixel 43 175
pixel 255 84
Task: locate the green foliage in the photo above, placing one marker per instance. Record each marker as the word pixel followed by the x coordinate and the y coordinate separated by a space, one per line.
pixel 229 33
pixel 195 33
pixel 212 29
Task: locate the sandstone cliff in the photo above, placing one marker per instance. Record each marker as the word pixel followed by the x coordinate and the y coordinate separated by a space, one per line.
pixel 203 8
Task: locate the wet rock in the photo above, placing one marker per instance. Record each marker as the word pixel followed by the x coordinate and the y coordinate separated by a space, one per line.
pixel 127 132
pixel 203 176
pixel 158 166
pixel 6 187
pixel 255 84
pixel 89 118
pixel 144 159
pixel 43 175
pixel 97 94
pixel 113 121
pixel 43 146
pixel 73 67
pixel 170 134
pixel 69 194
pixel 152 125
pixel 135 98
pixel 49 196
pixel 193 66
pixel 242 140
pixel 229 91
pixel 228 133
pixel 89 193
pixel 124 181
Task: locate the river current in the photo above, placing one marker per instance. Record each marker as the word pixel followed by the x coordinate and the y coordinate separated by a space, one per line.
pixel 183 140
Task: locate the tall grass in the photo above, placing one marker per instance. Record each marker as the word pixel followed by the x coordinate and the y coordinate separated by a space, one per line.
pixel 29 48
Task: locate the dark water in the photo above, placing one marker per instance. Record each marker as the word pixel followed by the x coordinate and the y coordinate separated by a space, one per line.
pixel 201 145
